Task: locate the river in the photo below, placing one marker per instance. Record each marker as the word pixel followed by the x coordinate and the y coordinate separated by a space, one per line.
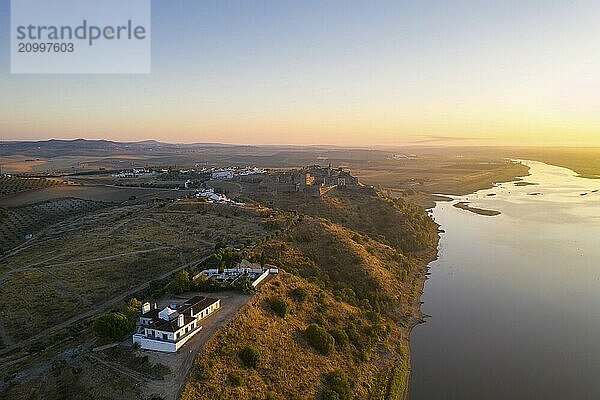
pixel 513 300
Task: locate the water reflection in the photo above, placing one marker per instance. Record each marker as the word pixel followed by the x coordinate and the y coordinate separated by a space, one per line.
pixel 514 299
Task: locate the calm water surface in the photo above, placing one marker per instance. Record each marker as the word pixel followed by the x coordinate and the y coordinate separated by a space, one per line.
pixel 514 300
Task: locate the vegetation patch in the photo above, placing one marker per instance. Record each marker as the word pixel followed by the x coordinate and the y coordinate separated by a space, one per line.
pixel 320 339
pixel 14 184
pixel 464 205
pixel 130 358
pixel 280 306
pixel 349 276
pixel 338 386
pixel 300 294
pixel 250 356
pixel 114 326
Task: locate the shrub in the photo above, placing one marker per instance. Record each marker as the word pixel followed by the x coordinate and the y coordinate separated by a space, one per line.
pixel 354 336
pixel 365 354
pixel 235 379
pixel 339 386
pixel 341 338
pixel 319 319
pixel 404 275
pixel 244 285
pixel 280 307
pixel 329 394
pixel 250 356
pixel 271 396
pixel 201 372
pixel 320 339
pixel 114 326
pixel 300 294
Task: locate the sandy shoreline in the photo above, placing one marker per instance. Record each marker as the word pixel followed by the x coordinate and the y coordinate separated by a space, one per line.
pixel 465 205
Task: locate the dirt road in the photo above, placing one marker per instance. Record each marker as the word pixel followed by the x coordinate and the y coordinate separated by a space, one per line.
pixel 181 362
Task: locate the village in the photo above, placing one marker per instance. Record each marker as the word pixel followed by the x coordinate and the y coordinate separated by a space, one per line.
pixel 168 327
pixel 230 185
pixel 310 179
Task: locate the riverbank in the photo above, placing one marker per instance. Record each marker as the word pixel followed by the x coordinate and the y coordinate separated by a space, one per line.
pixel 362 262
pixel 418 316
pixel 438 183
pixel 353 269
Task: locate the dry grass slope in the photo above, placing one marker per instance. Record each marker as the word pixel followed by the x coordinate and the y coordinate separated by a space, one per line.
pixel 289 368
pixel 362 280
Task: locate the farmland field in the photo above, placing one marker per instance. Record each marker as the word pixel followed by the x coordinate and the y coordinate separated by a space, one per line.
pixel 10 184
pixel 100 193
pixel 80 263
pixel 31 219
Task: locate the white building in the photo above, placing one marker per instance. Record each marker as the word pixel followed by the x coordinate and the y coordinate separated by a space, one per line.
pixel 213 197
pixel 245 268
pixel 170 328
pixel 225 174
pixel 251 171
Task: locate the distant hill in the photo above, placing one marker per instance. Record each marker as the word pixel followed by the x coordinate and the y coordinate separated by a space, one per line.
pixel 60 156
pixel 82 147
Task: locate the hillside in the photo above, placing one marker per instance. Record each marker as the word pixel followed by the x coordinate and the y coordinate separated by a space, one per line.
pixel 354 267
pixel 11 184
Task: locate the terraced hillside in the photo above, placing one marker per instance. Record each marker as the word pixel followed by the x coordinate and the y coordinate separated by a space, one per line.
pixel 13 184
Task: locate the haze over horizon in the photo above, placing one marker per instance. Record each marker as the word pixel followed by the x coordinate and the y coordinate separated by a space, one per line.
pixel 470 72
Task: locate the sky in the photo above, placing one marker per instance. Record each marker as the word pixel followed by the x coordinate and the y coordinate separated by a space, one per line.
pixel 343 72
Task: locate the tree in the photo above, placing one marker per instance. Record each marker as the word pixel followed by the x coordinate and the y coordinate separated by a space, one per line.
pixel 223 257
pixel 205 284
pixel 132 308
pixel 250 356
pixel 115 326
pixel 180 283
pixel 320 339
